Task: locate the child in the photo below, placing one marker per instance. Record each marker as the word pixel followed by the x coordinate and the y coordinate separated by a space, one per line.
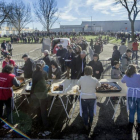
pixel 115 72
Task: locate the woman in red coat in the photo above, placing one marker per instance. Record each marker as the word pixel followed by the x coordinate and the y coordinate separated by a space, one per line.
pixel 7 80
pixel 8 61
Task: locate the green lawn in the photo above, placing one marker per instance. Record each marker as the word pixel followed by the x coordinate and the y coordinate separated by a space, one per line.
pixel 4 38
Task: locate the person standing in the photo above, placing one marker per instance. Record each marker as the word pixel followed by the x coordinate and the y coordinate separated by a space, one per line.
pixel 88 86
pixel 39 92
pixel 61 56
pixel 55 70
pixel 91 44
pixel 135 49
pixel 132 80
pixel 125 60
pixel 78 65
pixel 68 59
pixel 4 46
pixel 97 66
pixel 10 48
pixel 7 80
pixel 122 49
pixel 97 48
pixel 115 55
pixel 44 67
pixel 28 67
pixel 47 60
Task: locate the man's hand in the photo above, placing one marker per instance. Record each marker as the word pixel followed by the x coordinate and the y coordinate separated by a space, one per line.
pixel 97 72
pixel 53 77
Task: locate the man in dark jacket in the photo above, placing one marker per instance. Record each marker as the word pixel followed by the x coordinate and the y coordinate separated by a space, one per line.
pixel 47 60
pixel 97 48
pixel 96 66
pixel 115 55
pixel 61 53
pixel 4 45
pixel 29 66
pixel 78 65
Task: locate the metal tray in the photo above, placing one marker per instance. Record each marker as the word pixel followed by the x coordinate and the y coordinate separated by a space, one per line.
pixel 112 84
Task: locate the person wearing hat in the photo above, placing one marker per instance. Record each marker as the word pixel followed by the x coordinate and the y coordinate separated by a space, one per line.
pixel 68 59
pixel 135 49
pixel 61 56
pixel 78 65
pixel 28 67
pixel 122 49
pixel 96 66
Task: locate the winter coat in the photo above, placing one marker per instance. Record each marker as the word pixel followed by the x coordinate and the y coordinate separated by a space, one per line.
pixel 96 66
pixel 125 61
pixel 115 57
pixel 115 73
pixel 122 49
pixel 76 69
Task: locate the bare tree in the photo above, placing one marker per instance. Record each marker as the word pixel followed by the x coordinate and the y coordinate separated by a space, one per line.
pixel 46 13
pixel 4 12
pixel 19 15
pixel 133 9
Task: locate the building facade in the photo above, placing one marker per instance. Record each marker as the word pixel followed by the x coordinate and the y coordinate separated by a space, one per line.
pixel 99 26
pixel 11 30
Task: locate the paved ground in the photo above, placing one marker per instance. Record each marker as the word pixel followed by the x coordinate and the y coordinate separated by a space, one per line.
pixel 24 48
pixel 103 128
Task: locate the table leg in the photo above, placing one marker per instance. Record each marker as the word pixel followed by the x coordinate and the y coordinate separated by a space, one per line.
pixel 27 99
pixel 51 105
pixel 74 105
pixel 116 108
pixel 16 110
pixel 108 101
pixel 123 101
pixel 67 102
pixel 101 99
pixel 64 106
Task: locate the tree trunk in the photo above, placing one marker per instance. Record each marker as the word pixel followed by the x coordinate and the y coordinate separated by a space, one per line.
pixel 19 32
pixel 132 30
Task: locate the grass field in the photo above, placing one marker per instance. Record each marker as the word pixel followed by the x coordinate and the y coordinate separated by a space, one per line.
pixel 4 38
pixel 88 38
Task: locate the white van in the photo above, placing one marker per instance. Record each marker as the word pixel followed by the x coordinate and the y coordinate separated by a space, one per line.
pixel 63 41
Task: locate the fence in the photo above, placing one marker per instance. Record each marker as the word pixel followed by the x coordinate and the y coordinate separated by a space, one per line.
pixel 107 68
pixel 35 55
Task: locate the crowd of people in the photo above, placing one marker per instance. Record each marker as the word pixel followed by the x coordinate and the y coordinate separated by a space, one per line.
pixel 72 61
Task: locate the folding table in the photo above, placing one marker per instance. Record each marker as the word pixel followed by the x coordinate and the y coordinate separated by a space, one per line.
pixel 120 95
pixel 20 92
pixel 68 89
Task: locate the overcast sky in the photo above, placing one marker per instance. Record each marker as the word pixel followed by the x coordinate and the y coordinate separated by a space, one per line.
pixel 73 12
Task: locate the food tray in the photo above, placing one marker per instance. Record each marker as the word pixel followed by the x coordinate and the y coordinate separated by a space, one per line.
pixel 57 92
pixel 112 84
pixel 22 83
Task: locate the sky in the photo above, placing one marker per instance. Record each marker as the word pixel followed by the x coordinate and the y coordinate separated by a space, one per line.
pixel 73 12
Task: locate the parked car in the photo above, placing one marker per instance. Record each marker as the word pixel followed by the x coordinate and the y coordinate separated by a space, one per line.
pixel 60 41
